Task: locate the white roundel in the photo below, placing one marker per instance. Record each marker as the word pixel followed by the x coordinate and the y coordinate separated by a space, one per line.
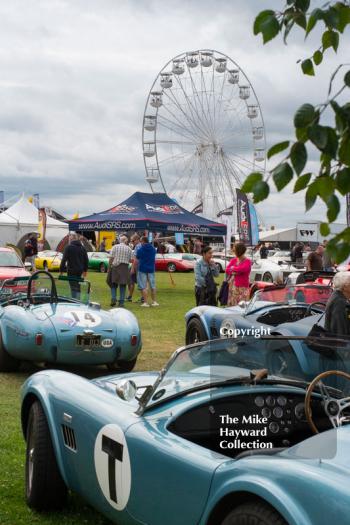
pixel 83 318
pixel 107 343
pixel 112 465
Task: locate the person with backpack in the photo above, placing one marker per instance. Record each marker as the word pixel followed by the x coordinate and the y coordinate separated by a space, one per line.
pixel 204 272
pixel 75 262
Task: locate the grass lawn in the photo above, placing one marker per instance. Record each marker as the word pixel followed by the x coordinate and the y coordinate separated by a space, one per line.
pixel 162 332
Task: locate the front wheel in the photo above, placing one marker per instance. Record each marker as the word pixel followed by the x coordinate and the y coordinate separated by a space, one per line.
pixel 195 332
pixel 45 488
pixel 171 267
pixel 254 514
pixel 122 366
pixel 7 362
pixel 45 267
pixel 103 268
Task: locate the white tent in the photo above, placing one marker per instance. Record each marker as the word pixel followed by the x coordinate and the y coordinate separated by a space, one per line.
pixel 23 218
pixel 278 235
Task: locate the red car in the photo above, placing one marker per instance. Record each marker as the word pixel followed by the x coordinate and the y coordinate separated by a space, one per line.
pixel 11 266
pixel 175 262
pixel 310 287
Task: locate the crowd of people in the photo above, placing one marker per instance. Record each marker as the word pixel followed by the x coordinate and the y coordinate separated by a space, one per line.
pixel 131 262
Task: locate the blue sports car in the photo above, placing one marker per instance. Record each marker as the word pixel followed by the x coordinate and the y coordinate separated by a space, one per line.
pixel 50 320
pixel 213 439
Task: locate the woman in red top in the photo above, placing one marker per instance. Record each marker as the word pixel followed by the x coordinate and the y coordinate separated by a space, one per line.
pixel 238 271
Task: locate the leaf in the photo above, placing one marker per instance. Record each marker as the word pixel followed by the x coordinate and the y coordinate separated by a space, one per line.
pixel 298 157
pixel 318 135
pixel 342 181
pixel 344 16
pixel 324 229
pixel 303 5
pixel 331 147
pixel 276 148
pixel 317 57
pixel 308 67
pixel 325 187
pixel 301 134
pixel 344 149
pixel 304 116
pixel 261 191
pixel 302 182
pixel 282 175
pixel 250 181
pixel 330 39
pixel 267 24
pixel 347 78
pixel 300 20
pixel 333 206
pixel 316 15
pixel 310 196
pixel 331 17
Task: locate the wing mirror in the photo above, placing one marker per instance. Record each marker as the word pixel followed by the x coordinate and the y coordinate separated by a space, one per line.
pixel 28 265
pixel 126 390
pixel 243 304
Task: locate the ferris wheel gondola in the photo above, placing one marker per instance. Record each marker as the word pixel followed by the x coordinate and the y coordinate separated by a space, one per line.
pixel 203 131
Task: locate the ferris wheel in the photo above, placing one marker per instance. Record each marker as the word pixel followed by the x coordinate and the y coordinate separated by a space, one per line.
pixel 203 131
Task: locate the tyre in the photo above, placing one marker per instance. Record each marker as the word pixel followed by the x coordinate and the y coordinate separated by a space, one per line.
pixel 267 277
pixel 102 268
pixel 195 332
pixel 254 513
pixel 171 267
pixel 219 267
pixel 122 366
pixel 7 362
pixel 45 488
pixel 45 266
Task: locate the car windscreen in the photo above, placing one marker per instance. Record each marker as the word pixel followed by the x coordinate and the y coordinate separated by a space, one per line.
pixel 225 361
pixel 305 294
pixel 41 287
pixel 10 259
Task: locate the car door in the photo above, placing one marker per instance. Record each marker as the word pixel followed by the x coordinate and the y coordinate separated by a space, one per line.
pixel 171 477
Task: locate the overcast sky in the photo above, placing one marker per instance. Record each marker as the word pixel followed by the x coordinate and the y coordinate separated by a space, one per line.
pixel 75 75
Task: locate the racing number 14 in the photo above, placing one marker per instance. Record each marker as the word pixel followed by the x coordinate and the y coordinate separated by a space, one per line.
pixel 114 450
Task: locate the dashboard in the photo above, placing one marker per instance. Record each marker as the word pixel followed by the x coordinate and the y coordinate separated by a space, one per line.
pixel 241 422
pixel 286 314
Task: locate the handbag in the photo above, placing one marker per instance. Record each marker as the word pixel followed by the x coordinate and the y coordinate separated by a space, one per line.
pixel 223 293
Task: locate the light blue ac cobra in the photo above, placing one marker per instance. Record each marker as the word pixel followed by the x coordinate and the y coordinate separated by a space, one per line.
pixel 213 439
pixel 49 320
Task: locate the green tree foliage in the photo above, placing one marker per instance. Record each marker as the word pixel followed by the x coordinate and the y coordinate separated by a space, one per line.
pixel 332 182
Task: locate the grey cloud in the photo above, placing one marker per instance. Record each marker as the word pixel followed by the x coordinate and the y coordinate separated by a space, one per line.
pixel 76 74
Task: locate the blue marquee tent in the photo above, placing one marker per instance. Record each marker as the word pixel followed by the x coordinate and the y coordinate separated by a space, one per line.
pixel 148 211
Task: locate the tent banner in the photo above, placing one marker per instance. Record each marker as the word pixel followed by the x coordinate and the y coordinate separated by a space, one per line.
pixel 243 218
pixel 42 228
pixel 348 209
pixel 254 224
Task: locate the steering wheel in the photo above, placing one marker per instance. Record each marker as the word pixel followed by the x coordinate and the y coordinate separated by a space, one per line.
pixel 34 276
pixel 311 306
pixel 333 407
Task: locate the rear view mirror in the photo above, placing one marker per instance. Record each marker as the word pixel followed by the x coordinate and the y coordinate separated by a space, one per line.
pixel 126 390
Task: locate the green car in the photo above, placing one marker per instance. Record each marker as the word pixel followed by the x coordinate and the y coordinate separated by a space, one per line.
pixel 98 261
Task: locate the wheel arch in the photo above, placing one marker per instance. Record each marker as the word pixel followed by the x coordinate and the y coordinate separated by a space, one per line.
pixel 29 399
pixel 273 497
pixel 202 319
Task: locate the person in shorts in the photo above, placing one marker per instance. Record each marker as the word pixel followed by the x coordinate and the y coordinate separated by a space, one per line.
pixel 146 257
